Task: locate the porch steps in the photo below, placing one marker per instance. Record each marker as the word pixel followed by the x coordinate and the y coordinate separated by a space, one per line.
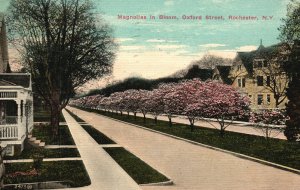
pixel 32 139
pixel 35 142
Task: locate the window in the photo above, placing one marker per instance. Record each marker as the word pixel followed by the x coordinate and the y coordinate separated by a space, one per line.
pixel 239 67
pixel 260 63
pixel 241 82
pixel 265 63
pixel 260 80
pixel 268 81
pixel 260 99
pixel 268 99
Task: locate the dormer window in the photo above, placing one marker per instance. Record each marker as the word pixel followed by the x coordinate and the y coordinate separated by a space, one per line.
pixel 260 63
pixel 239 67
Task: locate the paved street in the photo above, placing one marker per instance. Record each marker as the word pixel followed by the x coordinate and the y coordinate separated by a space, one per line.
pixel 191 166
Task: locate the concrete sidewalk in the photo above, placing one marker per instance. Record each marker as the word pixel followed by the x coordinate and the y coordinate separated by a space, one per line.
pixel 191 166
pixel 44 160
pixel 104 172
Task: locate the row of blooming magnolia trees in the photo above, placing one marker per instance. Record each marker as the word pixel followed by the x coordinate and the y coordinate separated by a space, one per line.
pixel 193 98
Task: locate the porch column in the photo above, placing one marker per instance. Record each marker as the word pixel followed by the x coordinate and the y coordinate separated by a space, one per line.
pixel 19 112
pixel 19 118
pixel 23 111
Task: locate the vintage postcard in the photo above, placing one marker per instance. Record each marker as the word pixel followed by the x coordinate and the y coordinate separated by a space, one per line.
pixel 151 95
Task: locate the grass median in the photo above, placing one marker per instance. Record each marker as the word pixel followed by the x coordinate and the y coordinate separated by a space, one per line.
pixel 141 172
pixel 274 150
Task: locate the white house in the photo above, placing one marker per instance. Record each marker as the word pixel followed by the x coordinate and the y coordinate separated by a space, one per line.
pixel 16 102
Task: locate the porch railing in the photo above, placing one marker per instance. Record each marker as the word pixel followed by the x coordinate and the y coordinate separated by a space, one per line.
pixel 9 132
pixel 9 120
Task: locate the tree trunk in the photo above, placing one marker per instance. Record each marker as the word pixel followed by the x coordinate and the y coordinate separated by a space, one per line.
pixel 144 119
pixel 134 115
pixel 170 121
pixel 192 124
pixel 155 120
pixel 54 122
pixel 276 102
pixel 128 114
pixel 222 131
pixel 55 112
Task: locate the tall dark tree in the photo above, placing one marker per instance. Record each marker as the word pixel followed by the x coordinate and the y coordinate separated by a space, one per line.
pixel 290 32
pixel 292 67
pixel 63 44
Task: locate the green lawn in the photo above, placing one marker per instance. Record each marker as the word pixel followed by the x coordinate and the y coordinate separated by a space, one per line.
pixel 47 153
pixel 44 133
pixel 278 151
pixel 73 171
pixel 141 172
pixel 41 115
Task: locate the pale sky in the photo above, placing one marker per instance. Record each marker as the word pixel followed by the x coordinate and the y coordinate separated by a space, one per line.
pixel 155 48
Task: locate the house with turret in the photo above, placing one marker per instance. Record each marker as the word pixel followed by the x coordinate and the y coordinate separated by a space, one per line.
pixel 259 75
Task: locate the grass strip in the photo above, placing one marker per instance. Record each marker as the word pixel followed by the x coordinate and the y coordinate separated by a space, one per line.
pixel 73 171
pixel 44 133
pixel 47 153
pixel 78 119
pixel 138 170
pixel 274 150
pixel 99 137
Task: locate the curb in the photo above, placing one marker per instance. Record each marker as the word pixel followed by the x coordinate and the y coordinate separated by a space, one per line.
pixel 243 156
pixel 165 183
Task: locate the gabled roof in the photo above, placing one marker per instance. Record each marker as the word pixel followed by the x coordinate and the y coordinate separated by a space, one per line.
pixel 224 73
pixel 247 60
pixel 15 80
pixel 261 52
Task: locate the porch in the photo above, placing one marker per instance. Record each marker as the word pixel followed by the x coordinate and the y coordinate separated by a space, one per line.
pixel 15 119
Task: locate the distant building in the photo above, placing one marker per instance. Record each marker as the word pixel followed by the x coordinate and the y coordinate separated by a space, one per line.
pixel 16 102
pixel 258 75
pixel 221 73
pixel 196 72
